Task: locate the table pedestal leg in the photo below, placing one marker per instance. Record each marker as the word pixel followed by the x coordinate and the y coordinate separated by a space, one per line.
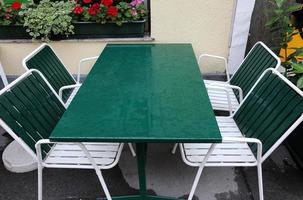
pixel 141 163
pixel 141 150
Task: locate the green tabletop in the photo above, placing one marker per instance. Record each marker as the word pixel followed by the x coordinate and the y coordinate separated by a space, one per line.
pixel 141 93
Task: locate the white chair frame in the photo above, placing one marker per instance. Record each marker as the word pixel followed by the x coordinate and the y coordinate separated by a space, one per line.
pixel 232 135
pixel 3 75
pixel 81 162
pixel 221 95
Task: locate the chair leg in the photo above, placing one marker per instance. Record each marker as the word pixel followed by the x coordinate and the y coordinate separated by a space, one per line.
pixel 175 148
pixel 40 184
pixel 97 170
pixel 198 175
pixel 260 181
pixel 132 149
pixel 101 179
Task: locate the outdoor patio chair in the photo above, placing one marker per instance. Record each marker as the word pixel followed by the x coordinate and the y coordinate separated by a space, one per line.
pixel 29 111
pixel 259 58
pixel 267 115
pixel 49 64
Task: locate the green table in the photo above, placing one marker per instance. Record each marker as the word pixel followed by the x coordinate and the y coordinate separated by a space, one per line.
pixel 143 93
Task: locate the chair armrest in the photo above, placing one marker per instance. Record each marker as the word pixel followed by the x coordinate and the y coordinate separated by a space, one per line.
pixel 218 58
pixel 246 140
pixel 213 87
pixel 39 150
pixel 67 87
pixel 81 63
pixel 226 85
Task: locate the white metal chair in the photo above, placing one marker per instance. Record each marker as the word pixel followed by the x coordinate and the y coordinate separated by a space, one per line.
pixel 49 64
pixel 267 115
pixel 29 110
pixel 259 58
pixel 3 75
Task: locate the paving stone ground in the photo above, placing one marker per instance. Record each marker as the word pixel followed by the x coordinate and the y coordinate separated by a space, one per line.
pixel 166 175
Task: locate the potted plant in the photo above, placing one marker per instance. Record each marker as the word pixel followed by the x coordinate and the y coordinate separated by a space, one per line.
pixel 48 18
pixel 284 30
pixel 107 18
pixel 11 22
pixel 74 19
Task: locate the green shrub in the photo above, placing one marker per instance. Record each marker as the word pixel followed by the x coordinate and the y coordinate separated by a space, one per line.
pixel 48 18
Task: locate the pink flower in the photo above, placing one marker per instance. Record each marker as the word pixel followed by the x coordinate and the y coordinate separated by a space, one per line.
pixel 134 12
pixel 135 3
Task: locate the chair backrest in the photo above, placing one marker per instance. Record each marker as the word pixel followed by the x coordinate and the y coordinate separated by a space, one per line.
pixel 270 111
pixel 259 58
pixel 30 109
pixel 47 62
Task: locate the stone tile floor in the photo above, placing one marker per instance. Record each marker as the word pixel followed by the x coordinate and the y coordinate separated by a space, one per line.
pixel 167 175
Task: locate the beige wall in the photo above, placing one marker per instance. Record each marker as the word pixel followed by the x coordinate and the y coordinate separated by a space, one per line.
pixel 204 23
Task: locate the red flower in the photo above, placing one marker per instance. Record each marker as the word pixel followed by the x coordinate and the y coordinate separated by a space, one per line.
pixel 92 11
pixel 87 1
pixel 107 3
pixel 112 11
pixel 16 5
pixel 78 10
pixel 96 6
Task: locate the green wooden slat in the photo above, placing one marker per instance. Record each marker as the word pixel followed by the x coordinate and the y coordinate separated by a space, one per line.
pixel 22 108
pixel 250 102
pixel 256 60
pixel 51 67
pixel 269 111
pixel 53 80
pixel 263 62
pixel 54 67
pixel 58 66
pixel 45 90
pixel 289 119
pixel 33 126
pixel 40 94
pixel 279 126
pixel 33 102
pixel 268 118
pixel 36 109
pixel 21 118
pixel 31 110
pixel 248 61
pixel 255 63
pixel 12 123
pixel 250 115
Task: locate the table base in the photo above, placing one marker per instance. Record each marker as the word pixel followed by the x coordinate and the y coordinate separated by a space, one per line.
pixel 147 197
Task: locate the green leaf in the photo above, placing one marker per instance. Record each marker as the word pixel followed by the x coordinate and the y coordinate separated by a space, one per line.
pixel 300 82
pixel 272 21
pixel 297 68
pixel 294 8
pixel 280 3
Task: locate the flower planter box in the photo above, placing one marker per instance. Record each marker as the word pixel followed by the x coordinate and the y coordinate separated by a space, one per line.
pixel 13 32
pixel 83 30
pixel 91 30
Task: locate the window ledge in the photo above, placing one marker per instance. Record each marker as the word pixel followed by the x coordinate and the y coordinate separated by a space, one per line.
pixel 141 39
